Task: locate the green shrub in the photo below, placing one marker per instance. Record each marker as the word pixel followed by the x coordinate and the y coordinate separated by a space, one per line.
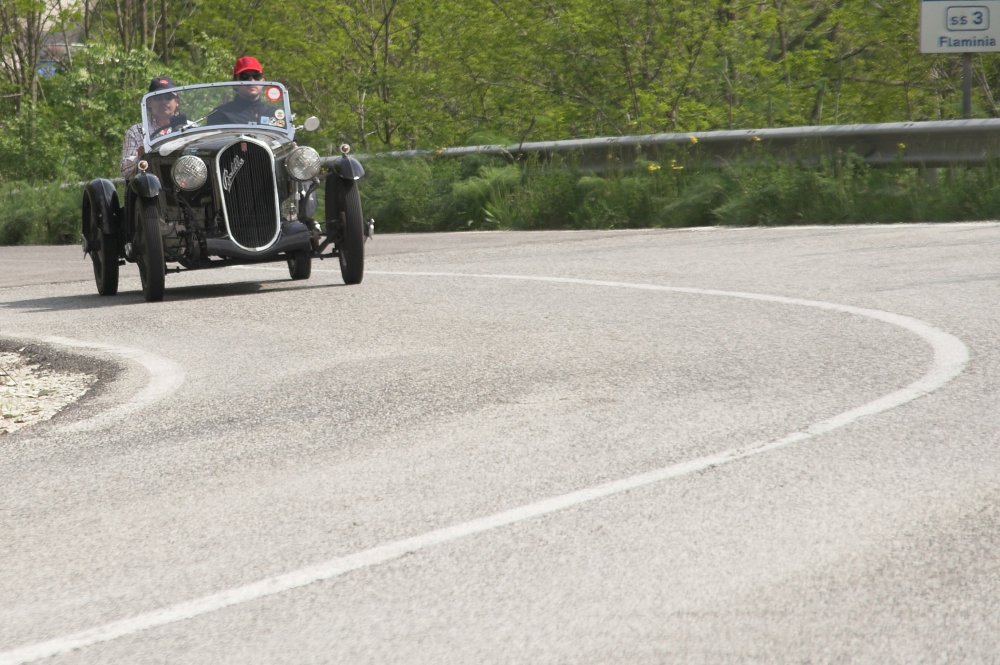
pixel 401 196
pixel 478 200
pixel 487 192
pixel 695 203
pixel 39 215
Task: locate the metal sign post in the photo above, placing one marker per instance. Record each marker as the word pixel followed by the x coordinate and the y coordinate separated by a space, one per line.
pixel 953 26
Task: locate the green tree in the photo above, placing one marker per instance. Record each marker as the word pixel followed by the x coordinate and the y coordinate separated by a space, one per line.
pixel 25 26
pixel 388 74
pixel 139 24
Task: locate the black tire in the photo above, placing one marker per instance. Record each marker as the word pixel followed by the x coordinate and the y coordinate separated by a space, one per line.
pixel 300 265
pixel 148 245
pixel 351 239
pixel 103 249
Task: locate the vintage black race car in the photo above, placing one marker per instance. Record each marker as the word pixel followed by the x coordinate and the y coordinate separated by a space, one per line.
pixel 225 183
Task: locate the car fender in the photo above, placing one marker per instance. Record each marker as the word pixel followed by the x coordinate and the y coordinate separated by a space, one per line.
pixel 347 168
pixel 100 202
pixel 146 185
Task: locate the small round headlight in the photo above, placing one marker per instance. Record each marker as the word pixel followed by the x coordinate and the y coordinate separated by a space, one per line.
pixel 303 163
pixel 189 173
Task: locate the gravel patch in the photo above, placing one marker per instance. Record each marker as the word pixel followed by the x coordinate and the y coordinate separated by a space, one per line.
pixel 33 390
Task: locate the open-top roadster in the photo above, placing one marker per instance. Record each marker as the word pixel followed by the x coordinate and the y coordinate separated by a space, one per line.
pixel 218 187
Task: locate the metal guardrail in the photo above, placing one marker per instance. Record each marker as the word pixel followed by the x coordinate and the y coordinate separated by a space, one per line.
pixel 926 144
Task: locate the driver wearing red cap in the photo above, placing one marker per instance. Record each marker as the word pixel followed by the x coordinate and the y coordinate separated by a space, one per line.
pixel 247 63
pixel 245 107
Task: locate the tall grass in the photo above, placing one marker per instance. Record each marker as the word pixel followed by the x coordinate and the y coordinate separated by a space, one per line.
pixel 482 192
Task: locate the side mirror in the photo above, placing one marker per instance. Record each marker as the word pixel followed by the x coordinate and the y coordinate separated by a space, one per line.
pixel 311 124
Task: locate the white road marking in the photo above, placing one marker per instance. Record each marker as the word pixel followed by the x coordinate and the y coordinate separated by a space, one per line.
pixel 165 377
pixel 950 358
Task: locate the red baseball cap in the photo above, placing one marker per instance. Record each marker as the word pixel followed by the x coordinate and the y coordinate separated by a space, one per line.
pixel 246 63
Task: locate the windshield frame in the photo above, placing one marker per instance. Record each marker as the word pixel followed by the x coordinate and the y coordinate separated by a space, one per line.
pixel 287 131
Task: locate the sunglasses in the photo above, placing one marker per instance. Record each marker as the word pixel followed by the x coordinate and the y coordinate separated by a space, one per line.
pixel 251 76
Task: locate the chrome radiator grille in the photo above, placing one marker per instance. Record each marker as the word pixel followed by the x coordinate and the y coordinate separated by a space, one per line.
pixel 249 194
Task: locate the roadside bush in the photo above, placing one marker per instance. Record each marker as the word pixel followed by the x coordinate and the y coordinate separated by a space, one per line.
pixel 401 196
pixel 549 197
pixel 33 215
pixel 696 202
pixel 483 200
pixel 483 192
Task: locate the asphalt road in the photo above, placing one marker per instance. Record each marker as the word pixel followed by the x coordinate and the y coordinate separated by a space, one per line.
pixel 697 446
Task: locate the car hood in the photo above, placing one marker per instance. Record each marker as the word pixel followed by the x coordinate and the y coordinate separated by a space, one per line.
pixel 213 140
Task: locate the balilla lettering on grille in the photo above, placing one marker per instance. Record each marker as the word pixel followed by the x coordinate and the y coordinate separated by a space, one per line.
pixel 227 176
pixel 966 42
pixel 251 202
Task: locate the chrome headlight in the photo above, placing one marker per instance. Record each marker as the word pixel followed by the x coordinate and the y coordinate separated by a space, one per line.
pixel 189 173
pixel 303 163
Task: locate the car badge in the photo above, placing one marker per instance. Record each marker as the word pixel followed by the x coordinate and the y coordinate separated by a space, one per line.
pixel 273 94
pixel 229 175
pixel 243 146
pixel 279 114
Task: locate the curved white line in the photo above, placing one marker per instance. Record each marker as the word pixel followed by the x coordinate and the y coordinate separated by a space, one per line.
pixel 165 377
pixel 950 358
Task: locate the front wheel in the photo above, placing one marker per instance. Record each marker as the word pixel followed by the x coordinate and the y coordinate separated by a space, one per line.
pixel 300 265
pixel 105 258
pixel 351 241
pixel 149 249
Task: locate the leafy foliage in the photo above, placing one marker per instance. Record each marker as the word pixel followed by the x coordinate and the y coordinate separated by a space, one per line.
pixel 449 195
pixel 390 74
pixel 39 215
pixel 385 75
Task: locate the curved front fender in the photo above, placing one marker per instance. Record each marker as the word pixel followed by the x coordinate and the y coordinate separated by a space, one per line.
pixel 100 205
pixel 145 185
pixel 348 168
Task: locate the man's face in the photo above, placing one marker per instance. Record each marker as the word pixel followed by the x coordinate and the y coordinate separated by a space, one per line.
pixel 250 91
pixel 163 105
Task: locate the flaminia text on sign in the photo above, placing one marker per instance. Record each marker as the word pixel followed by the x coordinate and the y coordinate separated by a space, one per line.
pixel 951 26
